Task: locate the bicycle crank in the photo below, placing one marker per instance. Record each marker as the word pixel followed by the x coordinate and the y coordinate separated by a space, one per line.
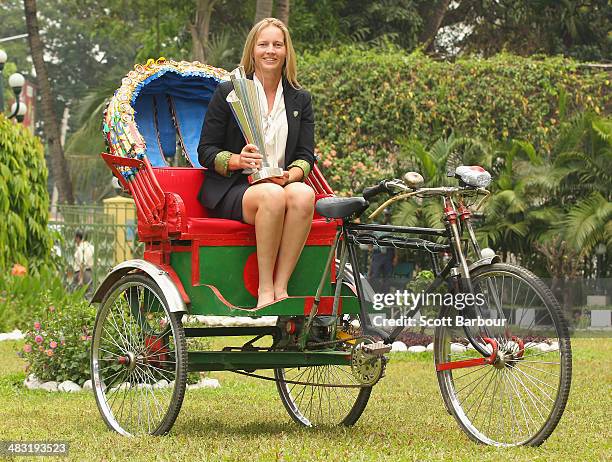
pixel 368 360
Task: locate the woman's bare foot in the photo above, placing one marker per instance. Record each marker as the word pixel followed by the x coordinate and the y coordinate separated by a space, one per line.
pixel 280 294
pixel 265 297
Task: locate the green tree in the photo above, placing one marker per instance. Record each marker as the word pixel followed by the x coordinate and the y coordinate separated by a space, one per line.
pixel 24 201
pixel 570 27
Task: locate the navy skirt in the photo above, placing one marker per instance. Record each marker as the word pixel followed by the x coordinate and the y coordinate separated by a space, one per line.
pixel 230 206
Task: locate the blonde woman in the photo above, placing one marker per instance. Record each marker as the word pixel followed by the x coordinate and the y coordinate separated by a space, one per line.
pixel 282 208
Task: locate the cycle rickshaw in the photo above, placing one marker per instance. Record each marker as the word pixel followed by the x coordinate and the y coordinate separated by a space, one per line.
pixel 327 349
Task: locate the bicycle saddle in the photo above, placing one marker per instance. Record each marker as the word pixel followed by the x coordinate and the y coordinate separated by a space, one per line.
pixel 340 207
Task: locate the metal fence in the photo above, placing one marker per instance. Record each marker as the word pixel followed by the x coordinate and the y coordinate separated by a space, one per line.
pixel 110 228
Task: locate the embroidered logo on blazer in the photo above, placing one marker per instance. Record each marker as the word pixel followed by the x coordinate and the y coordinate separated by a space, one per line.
pixel 295 113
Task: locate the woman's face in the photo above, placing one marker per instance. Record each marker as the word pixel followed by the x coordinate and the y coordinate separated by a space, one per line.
pixel 270 50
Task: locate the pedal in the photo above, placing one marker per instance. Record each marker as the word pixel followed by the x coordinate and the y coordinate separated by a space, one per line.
pixel 376 349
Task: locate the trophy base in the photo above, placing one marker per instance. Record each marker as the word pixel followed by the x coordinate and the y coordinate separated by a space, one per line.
pixel 265 173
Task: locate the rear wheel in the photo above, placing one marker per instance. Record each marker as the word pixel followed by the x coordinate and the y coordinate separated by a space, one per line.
pixel 316 404
pixel 520 396
pixel 138 358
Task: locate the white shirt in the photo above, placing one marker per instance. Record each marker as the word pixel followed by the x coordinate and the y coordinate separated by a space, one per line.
pixel 83 256
pixel 274 123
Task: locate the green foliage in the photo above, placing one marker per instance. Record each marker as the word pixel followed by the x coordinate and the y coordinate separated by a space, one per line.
pixel 24 201
pixel 368 101
pixel 569 27
pixel 23 298
pixel 57 346
pixel 40 305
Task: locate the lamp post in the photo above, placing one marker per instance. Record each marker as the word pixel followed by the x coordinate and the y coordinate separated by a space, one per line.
pixel 16 81
pixel 18 110
pixel 3 59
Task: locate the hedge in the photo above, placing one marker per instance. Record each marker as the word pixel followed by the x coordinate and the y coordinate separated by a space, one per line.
pixel 24 200
pixel 367 101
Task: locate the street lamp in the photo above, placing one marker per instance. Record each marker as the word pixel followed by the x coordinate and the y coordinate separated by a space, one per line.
pixel 18 110
pixel 16 82
pixel 3 59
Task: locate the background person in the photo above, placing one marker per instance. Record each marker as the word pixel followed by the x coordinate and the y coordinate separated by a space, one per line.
pixel 282 208
pixel 83 262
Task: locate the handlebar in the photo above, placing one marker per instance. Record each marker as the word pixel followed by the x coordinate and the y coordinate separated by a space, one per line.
pixel 372 191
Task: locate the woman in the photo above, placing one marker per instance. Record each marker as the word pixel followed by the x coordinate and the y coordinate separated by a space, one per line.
pixel 280 208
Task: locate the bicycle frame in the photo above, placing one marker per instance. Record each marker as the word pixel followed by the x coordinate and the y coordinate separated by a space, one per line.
pixel 455 273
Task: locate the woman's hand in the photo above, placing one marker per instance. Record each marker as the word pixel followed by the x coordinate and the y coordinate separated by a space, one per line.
pixel 281 181
pixel 248 158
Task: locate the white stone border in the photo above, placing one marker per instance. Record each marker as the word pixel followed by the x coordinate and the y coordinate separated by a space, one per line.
pixel 400 347
pixel 32 383
pixel 15 335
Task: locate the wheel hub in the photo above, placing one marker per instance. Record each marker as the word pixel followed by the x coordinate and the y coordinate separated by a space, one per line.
pixel 129 360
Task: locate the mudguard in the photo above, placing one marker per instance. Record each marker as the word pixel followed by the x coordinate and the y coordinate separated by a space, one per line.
pixel 160 276
pixel 484 262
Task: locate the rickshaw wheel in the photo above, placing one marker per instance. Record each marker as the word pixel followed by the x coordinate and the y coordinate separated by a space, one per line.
pixel 316 405
pixel 519 397
pixel 138 359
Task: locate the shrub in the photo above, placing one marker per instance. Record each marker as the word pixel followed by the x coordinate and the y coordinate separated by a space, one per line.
pixel 367 101
pixel 25 297
pixel 57 346
pixel 24 200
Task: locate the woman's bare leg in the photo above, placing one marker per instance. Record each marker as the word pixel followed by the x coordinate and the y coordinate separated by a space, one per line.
pixel 263 205
pixel 299 200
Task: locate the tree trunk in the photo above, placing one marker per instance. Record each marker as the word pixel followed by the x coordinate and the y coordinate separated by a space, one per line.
pixel 263 10
pixel 432 19
pixel 200 29
pixel 59 167
pixel 282 11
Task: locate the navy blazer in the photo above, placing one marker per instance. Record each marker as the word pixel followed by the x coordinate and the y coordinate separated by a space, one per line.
pixel 221 133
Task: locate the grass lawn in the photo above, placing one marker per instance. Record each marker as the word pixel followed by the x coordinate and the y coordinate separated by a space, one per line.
pixel 245 420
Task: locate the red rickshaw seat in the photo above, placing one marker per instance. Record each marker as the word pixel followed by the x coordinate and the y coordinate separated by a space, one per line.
pixel 186 182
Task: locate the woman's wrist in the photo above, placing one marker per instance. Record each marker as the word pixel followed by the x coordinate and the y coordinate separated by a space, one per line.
pixel 295 174
pixel 234 162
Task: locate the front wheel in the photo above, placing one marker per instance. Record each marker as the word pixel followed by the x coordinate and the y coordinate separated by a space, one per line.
pixel 138 358
pixel 519 395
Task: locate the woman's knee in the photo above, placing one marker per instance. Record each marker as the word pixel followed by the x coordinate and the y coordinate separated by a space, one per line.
pixel 269 196
pixel 300 196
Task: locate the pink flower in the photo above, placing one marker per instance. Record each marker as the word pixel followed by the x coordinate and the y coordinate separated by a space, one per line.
pixel 38 339
pixel 49 352
pixel 52 308
pixel 27 348
pixel 89 337
pixel 53 344
pixel 37 325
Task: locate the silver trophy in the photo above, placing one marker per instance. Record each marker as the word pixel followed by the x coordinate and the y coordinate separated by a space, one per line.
pixel 244 101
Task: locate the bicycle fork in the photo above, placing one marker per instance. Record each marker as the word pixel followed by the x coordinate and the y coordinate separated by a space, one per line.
pixel 450 219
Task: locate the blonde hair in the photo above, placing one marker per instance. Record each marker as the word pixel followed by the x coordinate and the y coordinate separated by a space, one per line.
pixel 248 61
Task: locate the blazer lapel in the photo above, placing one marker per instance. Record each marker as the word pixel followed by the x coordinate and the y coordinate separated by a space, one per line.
pixel 292 109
